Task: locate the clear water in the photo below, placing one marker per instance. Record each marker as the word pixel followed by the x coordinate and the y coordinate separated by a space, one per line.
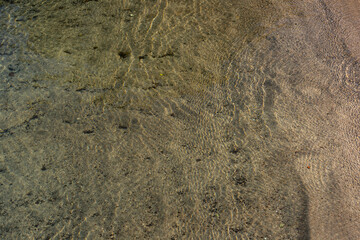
pixel 173 119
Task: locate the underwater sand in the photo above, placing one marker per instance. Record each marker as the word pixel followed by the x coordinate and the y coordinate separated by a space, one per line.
pixel 174 119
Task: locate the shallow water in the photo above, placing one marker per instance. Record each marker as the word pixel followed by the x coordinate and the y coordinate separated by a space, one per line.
pixel 179 120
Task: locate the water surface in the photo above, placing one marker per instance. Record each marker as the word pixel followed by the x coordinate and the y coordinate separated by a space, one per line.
pixel 195 119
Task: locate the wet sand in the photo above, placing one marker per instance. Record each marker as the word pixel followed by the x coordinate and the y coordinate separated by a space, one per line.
pixel 348 15
pixel 168 120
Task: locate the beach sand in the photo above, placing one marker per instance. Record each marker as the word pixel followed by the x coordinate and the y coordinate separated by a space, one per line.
pixel 179 119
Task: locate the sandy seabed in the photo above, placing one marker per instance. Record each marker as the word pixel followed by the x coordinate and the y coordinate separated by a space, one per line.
pixel 174 119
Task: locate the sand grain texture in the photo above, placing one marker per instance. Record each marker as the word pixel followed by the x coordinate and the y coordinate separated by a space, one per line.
pixel 179 120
